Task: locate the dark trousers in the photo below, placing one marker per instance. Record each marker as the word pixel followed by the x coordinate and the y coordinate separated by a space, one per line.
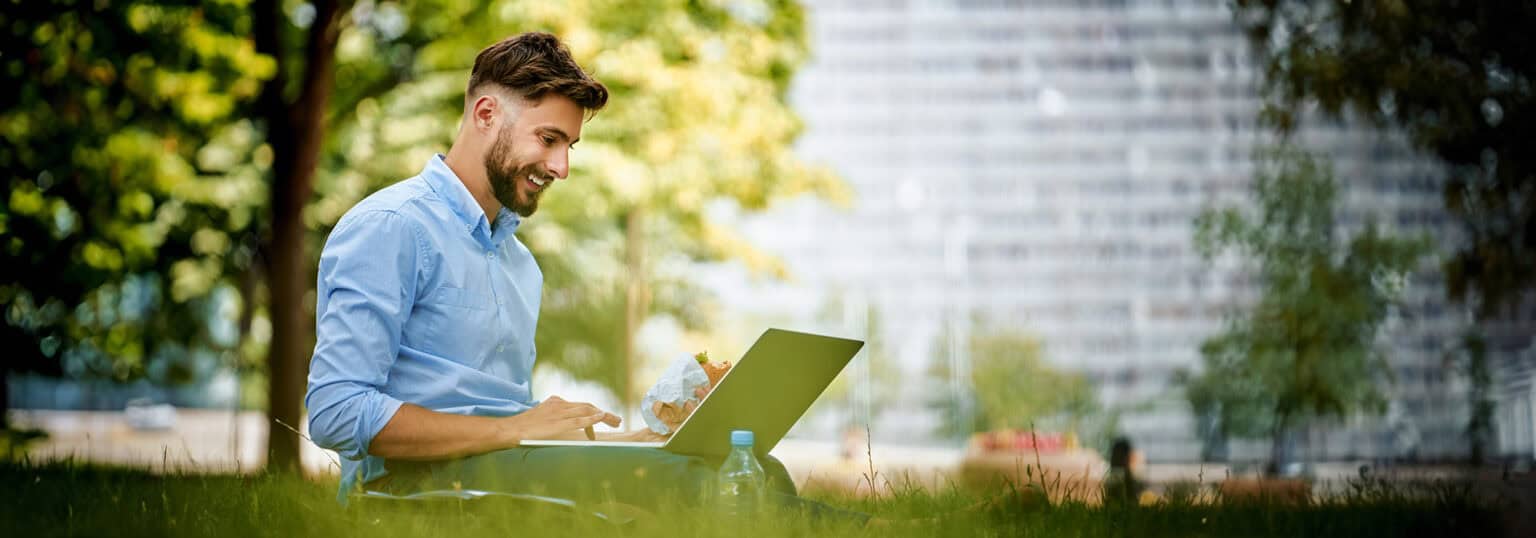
pixel 649 478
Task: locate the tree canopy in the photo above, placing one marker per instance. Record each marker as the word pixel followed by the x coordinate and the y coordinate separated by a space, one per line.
pixel 1457 78
pixel 1306 347
pixel 133 185
pixel 1013 386
pixel 153 151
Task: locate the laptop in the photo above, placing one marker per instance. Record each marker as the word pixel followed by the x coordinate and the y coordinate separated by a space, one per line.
pixel 766 391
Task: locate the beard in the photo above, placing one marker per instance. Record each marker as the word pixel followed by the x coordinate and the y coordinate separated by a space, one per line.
pixel 504 176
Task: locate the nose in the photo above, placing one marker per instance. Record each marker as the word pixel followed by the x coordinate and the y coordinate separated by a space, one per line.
pixel 558 164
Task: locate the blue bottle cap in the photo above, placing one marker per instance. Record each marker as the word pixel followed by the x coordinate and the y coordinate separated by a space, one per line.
pixel 741 437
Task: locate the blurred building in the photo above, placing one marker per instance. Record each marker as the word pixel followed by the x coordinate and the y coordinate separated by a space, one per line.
pixel 1514 371
pixel 1039 164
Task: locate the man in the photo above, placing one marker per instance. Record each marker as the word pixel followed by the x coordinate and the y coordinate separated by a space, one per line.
pixel 426 306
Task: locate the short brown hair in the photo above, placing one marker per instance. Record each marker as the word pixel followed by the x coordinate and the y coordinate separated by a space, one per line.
pixel 535 64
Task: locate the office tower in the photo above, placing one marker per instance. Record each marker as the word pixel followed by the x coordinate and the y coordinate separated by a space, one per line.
pixel 1039 164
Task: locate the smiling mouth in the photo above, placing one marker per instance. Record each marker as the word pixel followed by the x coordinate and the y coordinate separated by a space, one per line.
pixel 537 182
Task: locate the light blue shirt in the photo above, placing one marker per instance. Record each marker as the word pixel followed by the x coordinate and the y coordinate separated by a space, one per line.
pixel 421 300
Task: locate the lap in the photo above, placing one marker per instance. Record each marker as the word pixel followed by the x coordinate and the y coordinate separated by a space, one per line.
pixel 639 476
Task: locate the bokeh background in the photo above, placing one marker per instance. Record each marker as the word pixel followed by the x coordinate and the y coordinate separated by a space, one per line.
pixel 1280 234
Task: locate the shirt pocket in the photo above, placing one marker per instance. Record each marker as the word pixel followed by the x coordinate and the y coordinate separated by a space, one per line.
pixel 461 298
pixel 454 324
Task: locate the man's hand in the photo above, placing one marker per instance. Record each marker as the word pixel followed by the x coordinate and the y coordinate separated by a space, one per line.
pixel 673 415
pixel 555 418
pixel 716 371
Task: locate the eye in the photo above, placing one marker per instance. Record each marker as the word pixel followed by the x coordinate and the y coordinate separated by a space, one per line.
pixel 547 140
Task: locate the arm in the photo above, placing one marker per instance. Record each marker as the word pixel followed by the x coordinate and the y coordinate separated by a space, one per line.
pixel 365 290
pixel 417 433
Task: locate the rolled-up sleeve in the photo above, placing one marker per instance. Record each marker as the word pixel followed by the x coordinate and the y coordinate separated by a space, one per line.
pixel 366 286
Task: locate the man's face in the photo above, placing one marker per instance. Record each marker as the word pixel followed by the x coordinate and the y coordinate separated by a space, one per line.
pixel 531 151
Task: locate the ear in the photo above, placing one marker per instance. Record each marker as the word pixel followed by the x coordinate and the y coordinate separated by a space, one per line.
pixel 485 112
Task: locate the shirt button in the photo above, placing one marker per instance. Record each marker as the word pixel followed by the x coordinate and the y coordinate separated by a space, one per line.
pixel 490 255
pixel 500 349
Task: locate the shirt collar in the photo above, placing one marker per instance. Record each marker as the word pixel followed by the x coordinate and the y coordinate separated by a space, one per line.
pixel 448 185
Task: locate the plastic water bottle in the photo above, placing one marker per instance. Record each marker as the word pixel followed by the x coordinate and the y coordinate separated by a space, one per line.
pixel 740 484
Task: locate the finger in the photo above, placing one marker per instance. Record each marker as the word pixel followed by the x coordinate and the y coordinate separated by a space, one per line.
pixel 701 392
pixel 689 407
pixel 553 398
pixel 668 414
pixel 594 409
pixel 583 421
pixel 576 409
pixel 610 419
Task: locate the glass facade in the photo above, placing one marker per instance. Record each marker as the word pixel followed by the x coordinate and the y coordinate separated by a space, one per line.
pixel 1039 165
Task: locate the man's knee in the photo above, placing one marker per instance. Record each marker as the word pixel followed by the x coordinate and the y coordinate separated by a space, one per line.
pixel 778 475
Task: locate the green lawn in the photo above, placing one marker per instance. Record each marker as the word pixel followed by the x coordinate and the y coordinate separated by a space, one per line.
pixel 78 500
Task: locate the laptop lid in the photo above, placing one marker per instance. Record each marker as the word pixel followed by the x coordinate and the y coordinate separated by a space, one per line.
pixel 766 391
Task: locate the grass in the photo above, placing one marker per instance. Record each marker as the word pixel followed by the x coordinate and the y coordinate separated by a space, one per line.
pixel 68 499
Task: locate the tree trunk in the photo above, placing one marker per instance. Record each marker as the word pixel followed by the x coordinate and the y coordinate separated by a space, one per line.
pixel 1282 447
pixel 5 399
pixel 635 305
pixel 1479 394
pixel 295 130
